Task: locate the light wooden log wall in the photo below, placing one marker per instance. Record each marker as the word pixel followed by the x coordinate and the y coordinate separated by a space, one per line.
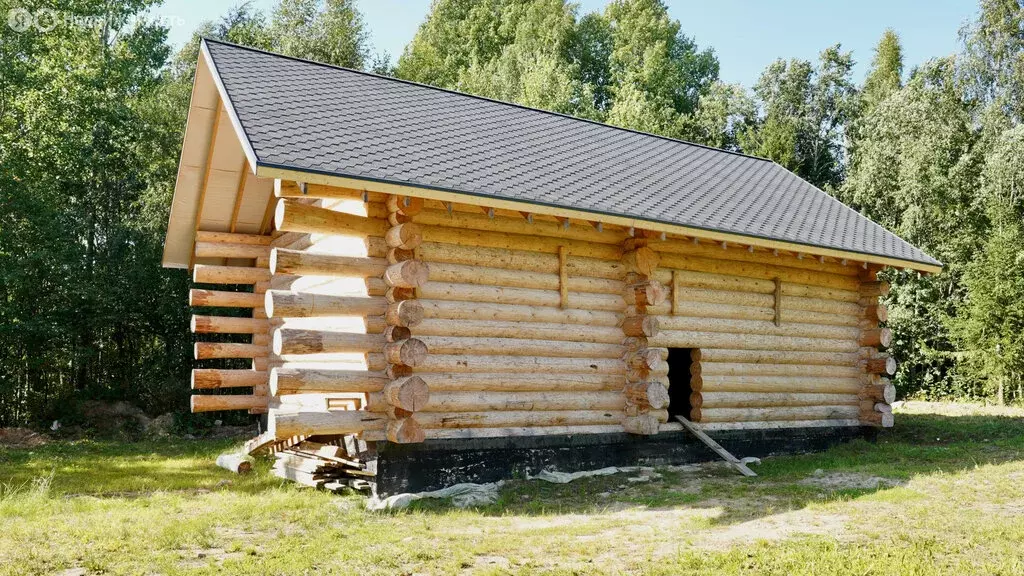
pixel 518 322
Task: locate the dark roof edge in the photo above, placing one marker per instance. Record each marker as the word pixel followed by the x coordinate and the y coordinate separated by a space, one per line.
pixel 486 99
pixel 599 212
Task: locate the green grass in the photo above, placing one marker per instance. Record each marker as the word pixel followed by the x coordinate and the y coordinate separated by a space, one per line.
pixel 951 501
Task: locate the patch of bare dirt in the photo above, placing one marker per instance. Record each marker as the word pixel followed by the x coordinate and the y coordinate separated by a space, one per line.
pixel 774 528
pixel 850 481
pixel 21 438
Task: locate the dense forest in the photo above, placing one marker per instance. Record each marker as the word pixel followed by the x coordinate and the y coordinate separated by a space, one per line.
pixel 92 114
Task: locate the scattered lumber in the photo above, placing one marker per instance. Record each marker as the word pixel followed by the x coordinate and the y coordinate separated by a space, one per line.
pixel 344 462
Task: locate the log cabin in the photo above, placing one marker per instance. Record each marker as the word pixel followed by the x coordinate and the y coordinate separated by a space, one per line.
pixel 464 288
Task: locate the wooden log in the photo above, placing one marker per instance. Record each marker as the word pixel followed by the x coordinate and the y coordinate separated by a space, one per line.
pixel 207 350
pixel 408 393
pixel 205 274
pixel 404 205
pixel 838 412
pixel 484 274
pixel 482 311
pixel 435 362
pixel 762 384
pixel 777 399
pixel 880 391
pixel 287 423
pixel 644 360
pixel 840 423
pixel 876 312
pixel 288 380
pixel 520 347
pixel 213 403
pixel 396 333
pixel 714 250
pixel 296 341
pixel 410 352
pixel 233 238
pixel 878 419
pixel 237 463
pixel 546 229
pixel 281 304
pixel 774 357
pixel 647 394
pixel 471 433
pixel 294 216
pixel 407 274
pixel 406 236
pixel 522 382
pixel 880 365
pixel 698 309
pixel 641 325
pixel 690 339
pixel 524 418
pixel 755 327
pixel 644 424
pixel 518 296
pixel 407 313
pixel 222 250
pixel 283 261
pixel 228 325
pixel 405 431
pixel 506 241
pixel 874 289
pixel 485 401
pixel 877 338
pixel 224 299
pixel 755 369
pixel 650 293
pixel 759 271
pixel 210 378
pixel 395 294
pixel 529 330
pixel 643 260
pixel 522 261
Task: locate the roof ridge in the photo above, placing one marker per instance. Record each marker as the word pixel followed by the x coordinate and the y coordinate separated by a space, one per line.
pixel 484 98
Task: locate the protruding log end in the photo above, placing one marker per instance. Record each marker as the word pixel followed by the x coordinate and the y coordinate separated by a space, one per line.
pixel 645 424
pixel 410 352
pixel 406 313
pixel 884 420
pixel 396 333
pixel 646 326
pixel 644 360
pixel 643 260
pixel 881 391
pixel 634 343
pixel 696 400
pixel 695 413
pixel 408 393
pixel 647 394
pixel 394 294
pixel 279 217
pixel 874 289
pixel 877 312
pixel 406 236
pixel 407 274
pixel 405 431
pixel 876 338
pixel 648 293
pixel 881 365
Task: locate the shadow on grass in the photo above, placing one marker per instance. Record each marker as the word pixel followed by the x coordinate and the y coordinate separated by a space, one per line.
pixel 920 444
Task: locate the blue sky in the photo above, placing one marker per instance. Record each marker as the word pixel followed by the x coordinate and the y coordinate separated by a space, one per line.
pixel 747 35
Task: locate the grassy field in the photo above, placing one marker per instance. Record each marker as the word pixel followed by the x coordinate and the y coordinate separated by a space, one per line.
pixel 942 493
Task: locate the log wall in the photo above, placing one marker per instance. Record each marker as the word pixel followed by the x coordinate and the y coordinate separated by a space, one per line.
pixel 432 319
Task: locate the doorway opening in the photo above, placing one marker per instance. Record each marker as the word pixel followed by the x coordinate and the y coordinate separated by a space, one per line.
pixel 679 386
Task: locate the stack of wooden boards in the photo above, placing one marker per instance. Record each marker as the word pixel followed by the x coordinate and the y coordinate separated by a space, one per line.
pixel 342 462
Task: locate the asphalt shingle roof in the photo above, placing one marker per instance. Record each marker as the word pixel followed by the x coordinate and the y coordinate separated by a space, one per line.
pixel 312 117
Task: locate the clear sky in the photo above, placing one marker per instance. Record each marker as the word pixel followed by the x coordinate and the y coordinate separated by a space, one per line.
pixel 747 35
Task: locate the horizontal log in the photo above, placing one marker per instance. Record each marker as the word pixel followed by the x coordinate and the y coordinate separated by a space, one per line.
pixel 649 293
pixel 515 401
pixel 478 221
pixel 577 267
pixel 228 325
pixel 310 380
pixel 840 412
pixel 211 378
pixel 519 296
pixel 224 299
pixel 442 363
pixel 283 261
pixel 755 369
pixel 488 239
pixel 878 338
pixel 759 271
pixel 482 311
pixel 774 357
pixel 520 347
pixel 222 250
pixel 700 309
pixel 522 382
pixel 641 325
pixel 643 260
pixel 876 312
pixel 233 238
pixel 764 400
pixel 297 341
pixel 410 393
pixel 840 423
pixel 644 360
pixel 408 352
pixel 281 304
pixel 524 418
pixel 529 330
pixel 878 419
pixel 645 424
pixel 759 328
pixel 470 433
pixel 285 423
pixel 206 274
pixel 406 274
pixel 739 285
pixel 880 365
pixel 647 394
pixel 287 189
pixel 874 289
pixel 482 274
pixel 406 236
pixel 690 339
pixel 406 313
pixel 404 431
pixel 880 391
pixel 688 248
pixel 762 384
pixel 212 403
pixel 207 350
pixel 294 216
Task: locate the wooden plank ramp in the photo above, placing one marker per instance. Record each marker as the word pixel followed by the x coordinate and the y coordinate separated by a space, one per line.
pixel 725 454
